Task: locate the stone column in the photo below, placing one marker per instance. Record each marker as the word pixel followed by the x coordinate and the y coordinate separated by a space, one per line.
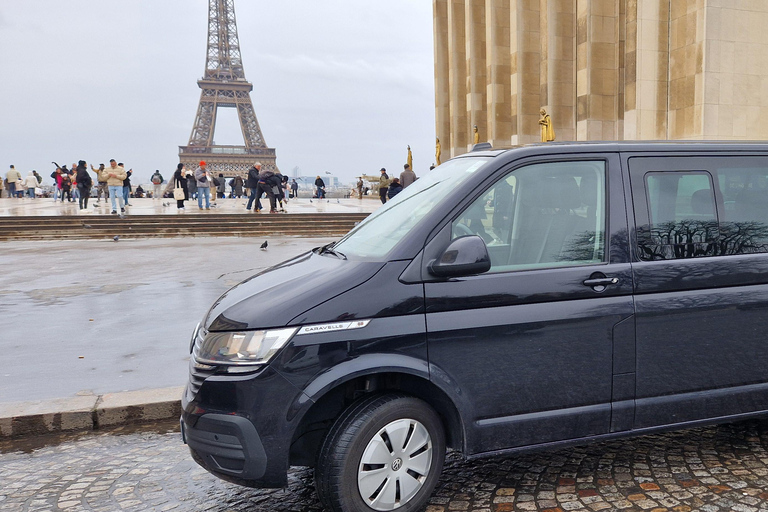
pixel 525 50
pixel 476 71
pixel 498 73
pixel 442 71
pixel 736 71
pixel 558 65
pixel 457 80
pixel 597 69
pixel 647 71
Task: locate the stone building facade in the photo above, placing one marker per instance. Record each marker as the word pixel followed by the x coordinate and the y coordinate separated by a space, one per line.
pixel 603 70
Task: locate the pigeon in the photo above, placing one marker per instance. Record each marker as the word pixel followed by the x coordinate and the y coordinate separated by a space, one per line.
pixel 115 238
pixel 264 246
pixel 87 226
pixel 166 204
pixel 310 200
pixel 338 201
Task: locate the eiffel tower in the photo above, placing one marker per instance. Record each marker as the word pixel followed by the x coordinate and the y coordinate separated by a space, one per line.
pixel 224 85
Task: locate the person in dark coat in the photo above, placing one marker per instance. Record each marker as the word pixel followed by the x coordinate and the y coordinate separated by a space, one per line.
pixel 320 184
pixel 394 188
pixel 180 180
pixel 252 183
pixel 221 187
pixel 237 186
pixel 84 184
pixel 191 185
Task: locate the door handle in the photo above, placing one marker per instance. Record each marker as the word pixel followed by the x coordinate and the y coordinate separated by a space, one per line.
pixel 601 281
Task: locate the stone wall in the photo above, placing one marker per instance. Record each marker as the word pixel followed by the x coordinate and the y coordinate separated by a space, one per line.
pixel 603 69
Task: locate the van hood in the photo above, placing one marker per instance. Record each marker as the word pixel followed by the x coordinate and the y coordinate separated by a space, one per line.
pixel 273 297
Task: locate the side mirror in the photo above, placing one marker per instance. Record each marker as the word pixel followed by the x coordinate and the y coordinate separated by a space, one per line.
pixel 464 256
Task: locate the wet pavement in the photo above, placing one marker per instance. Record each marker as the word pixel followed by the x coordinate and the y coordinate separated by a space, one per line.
pixel 721 468
pixel 90 317
pixel 46 207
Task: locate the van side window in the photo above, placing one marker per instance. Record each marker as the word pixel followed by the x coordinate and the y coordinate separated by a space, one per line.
pixel 682 216
pixel 541 215
pixel 690 207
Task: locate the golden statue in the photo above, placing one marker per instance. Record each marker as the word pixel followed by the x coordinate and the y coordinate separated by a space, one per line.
pixel 547 130
pixel 438 151
pixel 410 158
pixel 477 136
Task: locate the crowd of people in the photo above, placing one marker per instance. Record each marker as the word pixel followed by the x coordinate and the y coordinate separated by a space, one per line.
pixel 200 184
pixel 113 183
pixel 389 188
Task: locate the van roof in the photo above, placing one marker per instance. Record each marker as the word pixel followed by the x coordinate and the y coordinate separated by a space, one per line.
pixel 624 146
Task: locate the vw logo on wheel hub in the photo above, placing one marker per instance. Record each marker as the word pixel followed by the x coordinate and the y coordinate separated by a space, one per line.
pixel 397 464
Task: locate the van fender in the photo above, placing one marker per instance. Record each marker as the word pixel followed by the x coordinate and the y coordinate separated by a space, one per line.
pixel 378 364
pixel 344 372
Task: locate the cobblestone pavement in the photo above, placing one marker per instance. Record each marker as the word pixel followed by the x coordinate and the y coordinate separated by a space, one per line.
pixel 149 469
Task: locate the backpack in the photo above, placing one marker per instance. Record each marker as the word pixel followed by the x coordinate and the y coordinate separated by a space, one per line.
pixel 215 182
pixel 157 179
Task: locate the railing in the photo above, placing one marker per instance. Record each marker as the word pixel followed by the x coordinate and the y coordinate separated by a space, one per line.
pixel 226 150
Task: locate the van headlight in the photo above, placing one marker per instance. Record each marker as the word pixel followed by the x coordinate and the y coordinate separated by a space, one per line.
pixel 248 348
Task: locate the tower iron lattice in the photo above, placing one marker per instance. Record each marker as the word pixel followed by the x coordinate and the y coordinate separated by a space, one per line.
pixel 224 85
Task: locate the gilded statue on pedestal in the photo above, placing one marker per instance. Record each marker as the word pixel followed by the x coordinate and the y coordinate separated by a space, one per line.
pixel 438 151
pixel 476 136
pixel 547 130
pixel 409 161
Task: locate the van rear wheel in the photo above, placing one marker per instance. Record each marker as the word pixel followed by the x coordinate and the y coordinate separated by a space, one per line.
pixel 383 453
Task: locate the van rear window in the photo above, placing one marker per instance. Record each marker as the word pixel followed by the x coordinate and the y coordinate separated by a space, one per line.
pixel 689 207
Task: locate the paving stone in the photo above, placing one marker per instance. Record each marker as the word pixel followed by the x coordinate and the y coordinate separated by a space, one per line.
pixel 148 469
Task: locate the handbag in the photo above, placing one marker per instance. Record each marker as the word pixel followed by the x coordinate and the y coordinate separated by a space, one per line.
pixel 178 194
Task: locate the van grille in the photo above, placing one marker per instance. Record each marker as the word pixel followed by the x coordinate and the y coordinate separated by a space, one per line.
pixel 198 372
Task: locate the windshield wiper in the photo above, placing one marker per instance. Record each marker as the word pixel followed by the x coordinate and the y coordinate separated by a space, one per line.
pixel 328 249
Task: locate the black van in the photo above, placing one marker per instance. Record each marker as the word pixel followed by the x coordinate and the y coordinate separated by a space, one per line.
pixel 507 300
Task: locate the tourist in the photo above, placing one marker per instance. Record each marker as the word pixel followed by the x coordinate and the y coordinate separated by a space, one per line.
pixel 267 181
pixel 157 184
pixel 56 175
pixel 84 184
pixel 253 186
pixel 103 188
pixel 383 185
pixel 13 176
pixel 126 184
pixel 203 186
pixel 221 187
pixel 180 181
pixel 407 177
pixel 30 182
pixel 114 176
pixel 237 186
pixel 394 188
pixel 360 187
pixel 66 185
pixel 191 184
pixel 294 189
pixel 320 185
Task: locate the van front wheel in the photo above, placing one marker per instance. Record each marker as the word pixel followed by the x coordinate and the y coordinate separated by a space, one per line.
pixel 383 453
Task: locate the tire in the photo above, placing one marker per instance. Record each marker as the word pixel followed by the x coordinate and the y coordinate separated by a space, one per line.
pixel 384 452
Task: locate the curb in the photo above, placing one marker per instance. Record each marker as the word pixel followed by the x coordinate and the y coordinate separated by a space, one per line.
pixel 82 413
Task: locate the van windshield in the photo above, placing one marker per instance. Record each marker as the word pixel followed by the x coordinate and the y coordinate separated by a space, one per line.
pixel 382 230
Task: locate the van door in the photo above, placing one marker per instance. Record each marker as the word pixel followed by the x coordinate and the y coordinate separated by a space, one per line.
pixel 701 286
pixel 530 348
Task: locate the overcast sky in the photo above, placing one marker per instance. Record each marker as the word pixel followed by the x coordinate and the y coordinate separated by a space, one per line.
pixel 339 85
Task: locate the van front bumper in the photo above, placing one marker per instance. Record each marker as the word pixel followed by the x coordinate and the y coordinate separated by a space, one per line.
pixel 240 434
pixel 229 447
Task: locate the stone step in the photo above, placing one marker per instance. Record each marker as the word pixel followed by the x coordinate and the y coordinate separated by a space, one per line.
pixel 147 226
